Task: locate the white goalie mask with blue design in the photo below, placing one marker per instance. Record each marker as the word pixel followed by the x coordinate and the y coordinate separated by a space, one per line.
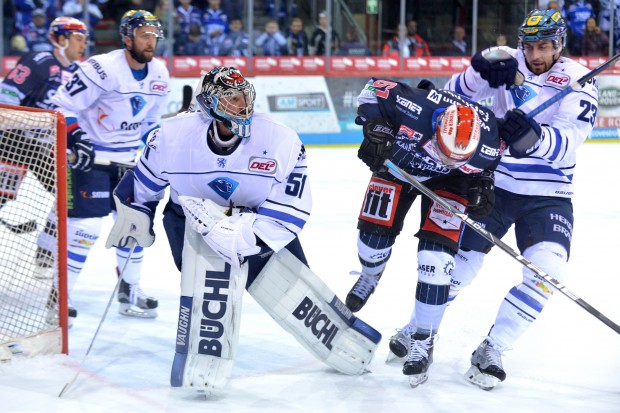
pixel 228 97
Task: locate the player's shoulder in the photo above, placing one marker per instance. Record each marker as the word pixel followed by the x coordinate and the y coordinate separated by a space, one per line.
pixel 266 127
pixel 571 67
pixel 157 68
pixel 38 59
pixel 103 68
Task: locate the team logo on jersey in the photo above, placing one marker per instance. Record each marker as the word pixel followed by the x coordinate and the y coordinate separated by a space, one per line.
pixel 137 104
pixel 224 186
pixel 263 165
pixel 409 133
pixel 558 79
pixel 521 94
pixel 221 162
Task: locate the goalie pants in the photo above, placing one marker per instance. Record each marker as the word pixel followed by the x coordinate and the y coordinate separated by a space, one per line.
pixel 174 225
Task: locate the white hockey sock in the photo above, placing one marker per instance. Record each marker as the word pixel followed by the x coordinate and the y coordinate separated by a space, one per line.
pixel 132 272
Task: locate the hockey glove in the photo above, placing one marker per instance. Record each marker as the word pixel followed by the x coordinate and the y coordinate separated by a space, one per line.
pixel 481 194
pixel 202 214
pixel 82 152
pixel 497 73
pixel 377 144
pixel 233 238
pixel 133 220
pixel 521 134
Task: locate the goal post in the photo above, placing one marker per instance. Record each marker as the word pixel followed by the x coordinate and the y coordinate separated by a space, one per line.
pixel 33 185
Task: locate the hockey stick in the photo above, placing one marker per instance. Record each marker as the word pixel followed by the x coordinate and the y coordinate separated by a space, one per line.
pixel 19 229
pixel 187 100
pixel 503 246
pixel 105 313
pixel 574 86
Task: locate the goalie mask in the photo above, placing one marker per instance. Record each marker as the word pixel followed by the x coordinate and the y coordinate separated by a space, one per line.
pixel 229 98
pixel 456 137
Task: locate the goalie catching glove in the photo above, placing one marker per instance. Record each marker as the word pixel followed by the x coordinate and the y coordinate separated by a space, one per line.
pixel 377 144
pixel 133 221
pixel 230 237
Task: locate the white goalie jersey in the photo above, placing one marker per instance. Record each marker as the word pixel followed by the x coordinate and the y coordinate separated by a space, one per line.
pixel 565 125
pixel 266 173
pixel 113 108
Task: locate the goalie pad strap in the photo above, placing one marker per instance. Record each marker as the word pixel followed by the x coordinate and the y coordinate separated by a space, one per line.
pixel 209 317
pixel 305 306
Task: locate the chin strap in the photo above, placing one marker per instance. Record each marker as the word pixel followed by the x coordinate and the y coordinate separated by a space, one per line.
pixel 222 144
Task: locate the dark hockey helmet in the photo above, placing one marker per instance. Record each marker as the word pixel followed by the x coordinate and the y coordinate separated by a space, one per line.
pixel 65 26
pixel 456 137
pixel 226 95
pixel 137 18
pixel 543 25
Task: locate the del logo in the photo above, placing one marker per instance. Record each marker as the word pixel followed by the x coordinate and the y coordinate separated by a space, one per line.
pixel 557 79
pixel 263 165
pixel 159 86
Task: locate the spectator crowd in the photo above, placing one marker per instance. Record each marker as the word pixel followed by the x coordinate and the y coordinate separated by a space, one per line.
pixel 216 28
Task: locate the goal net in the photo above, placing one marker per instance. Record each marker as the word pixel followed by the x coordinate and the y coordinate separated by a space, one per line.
pixel 33 303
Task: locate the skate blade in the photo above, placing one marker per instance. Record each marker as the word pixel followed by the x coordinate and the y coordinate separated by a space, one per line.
pixel 137 312
pixel 416 379
pixel 394 359
pixel 480 379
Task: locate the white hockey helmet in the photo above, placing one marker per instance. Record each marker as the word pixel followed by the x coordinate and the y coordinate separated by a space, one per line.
pixel 227 96
pixel 456 137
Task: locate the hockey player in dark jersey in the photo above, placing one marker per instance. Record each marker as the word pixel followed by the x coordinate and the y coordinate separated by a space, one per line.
pixel 34 80
pixel 37 76
pixel 452 145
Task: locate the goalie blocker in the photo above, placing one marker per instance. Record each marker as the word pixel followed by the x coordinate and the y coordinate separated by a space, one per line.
pixel 210 309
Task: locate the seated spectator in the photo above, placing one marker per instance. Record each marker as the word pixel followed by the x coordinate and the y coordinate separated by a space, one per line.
pixel 75 8
pixel 604 21
pixel 186 15
pixel 236 42
pixel 193 43
pixel 271 42
pixel 352 46
pixel 36 34
pixel 594 42
pixel 417 45
pixel 459 46
pixel 576 13
pixel 215 22
pixel 296 38
pixel 404 45
pixel 319 36
pixel 501 40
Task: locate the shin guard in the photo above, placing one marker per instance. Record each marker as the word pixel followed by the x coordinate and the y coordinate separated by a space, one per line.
pixel 209 317
pixel 305 307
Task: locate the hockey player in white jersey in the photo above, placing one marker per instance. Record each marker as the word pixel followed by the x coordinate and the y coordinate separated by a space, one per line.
pixel 112 102
pixel 225 157
pixel 534 185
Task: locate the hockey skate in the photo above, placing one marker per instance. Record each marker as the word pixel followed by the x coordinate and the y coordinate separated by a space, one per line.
pixel 486 366
pixel 420 358
pixel 52 309
pixel 44 264
pixel 361 291
pixel 399 344
pixel 134 303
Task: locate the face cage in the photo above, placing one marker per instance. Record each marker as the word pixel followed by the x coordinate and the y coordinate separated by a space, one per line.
pixel 216 102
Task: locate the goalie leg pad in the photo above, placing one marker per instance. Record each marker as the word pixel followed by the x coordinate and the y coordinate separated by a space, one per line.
pixel 209 317
pixel 305 307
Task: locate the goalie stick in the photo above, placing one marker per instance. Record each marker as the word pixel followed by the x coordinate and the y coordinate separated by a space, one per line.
pixel 502 245
pixel 105 313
